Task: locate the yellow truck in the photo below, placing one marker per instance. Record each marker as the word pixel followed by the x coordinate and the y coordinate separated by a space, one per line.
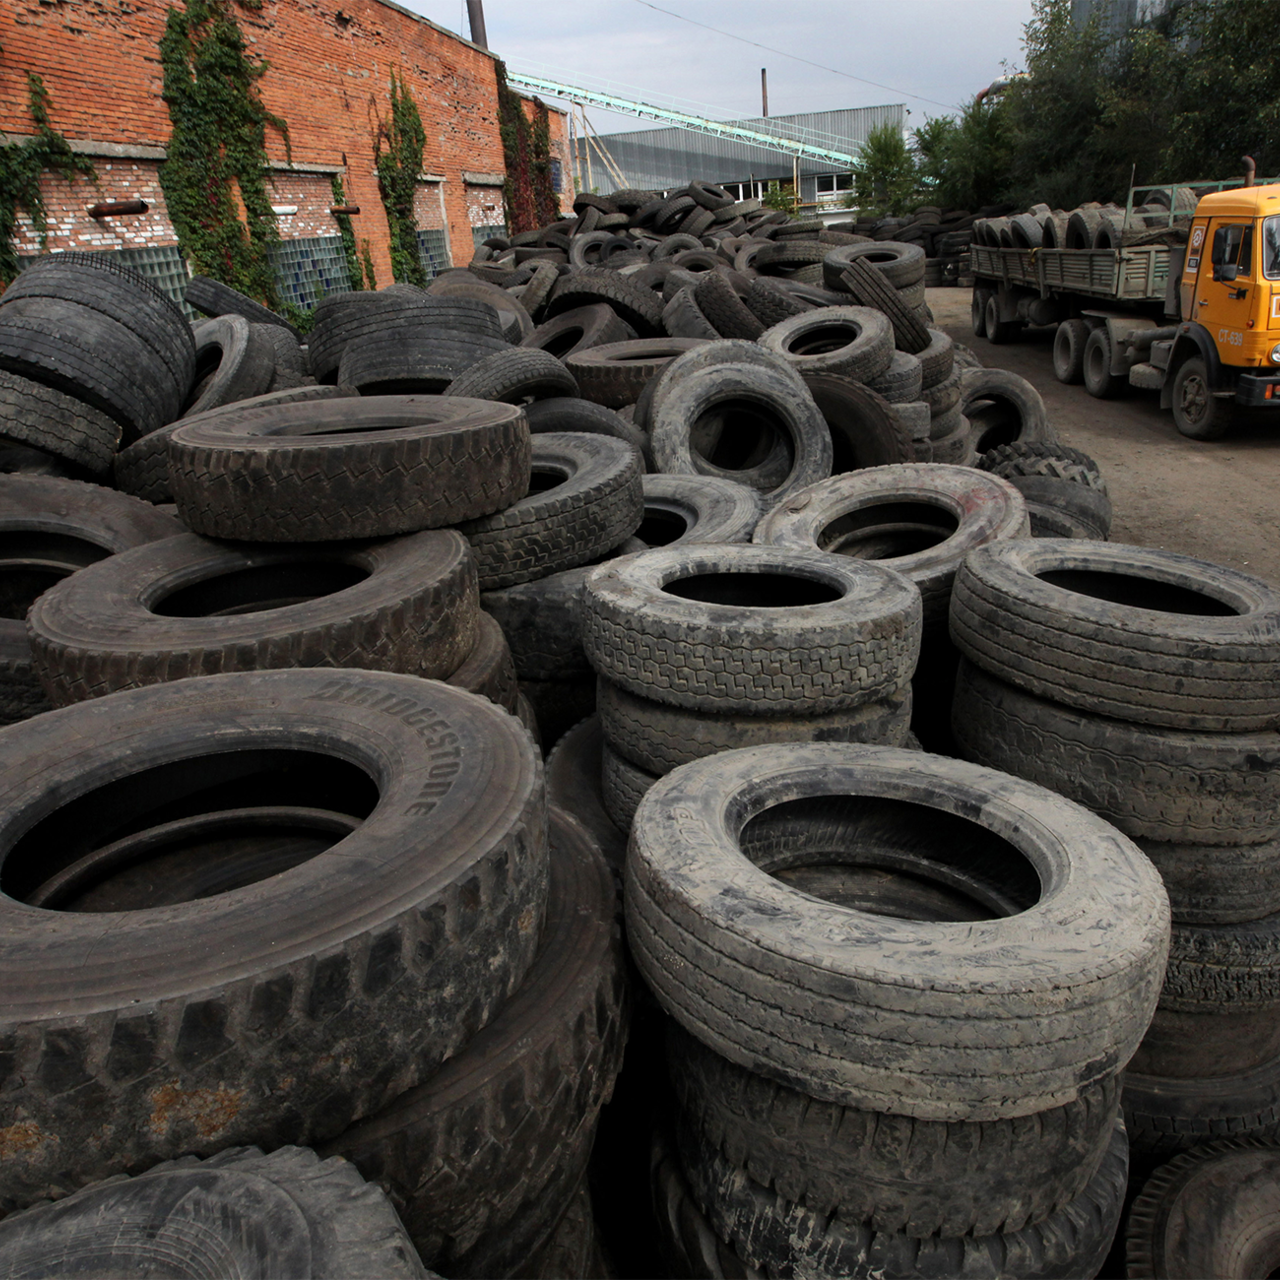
pixel 1198 322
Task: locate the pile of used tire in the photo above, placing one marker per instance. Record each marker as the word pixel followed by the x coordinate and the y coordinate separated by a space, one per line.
pixel 280 696
pixel 1091 225
pixel 944 234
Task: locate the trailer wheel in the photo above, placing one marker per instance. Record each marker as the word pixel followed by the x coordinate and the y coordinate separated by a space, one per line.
pixel 978 311
pixel 999 331
pixel 1068 351
pixel 1197 412
pixel 1098 379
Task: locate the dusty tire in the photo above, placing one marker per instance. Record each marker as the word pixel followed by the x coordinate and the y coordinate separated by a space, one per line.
pixel 1129 632
pixel 270 1019
pixel 574 331
pixel 1217 884
pixel 367 468
pixel 444 1151
pixel 1197 412
pixel 901 382
pixel 573 413
pixel 1096 373
pixel 158 613
pixel 615 373
pixel 573 784
pixel 1068 351
pixel 234 361
pixel 489 669
pixel 876 1027
pixel 514 376
pixel 865 432
pixel 750 629
pixel 214 298
pixel 594 500
pixel 622 786
pixel 854 341
pixel 910 333
pixel 902 265
pixel 1004 408
pixel 43 418
pixel 236 1213
pixel 680 509
pixel 919 519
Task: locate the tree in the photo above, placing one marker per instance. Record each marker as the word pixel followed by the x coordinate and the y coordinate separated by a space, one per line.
pixel 884 173
pixel 965 163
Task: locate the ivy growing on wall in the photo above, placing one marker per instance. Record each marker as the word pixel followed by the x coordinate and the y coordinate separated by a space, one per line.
pixel 348 234
pixel 397 155
pixel 217 156
pixel 21 164
pixel 528 194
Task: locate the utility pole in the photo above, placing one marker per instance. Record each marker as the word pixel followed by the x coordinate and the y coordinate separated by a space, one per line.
pixel 475 14
pixel 764 92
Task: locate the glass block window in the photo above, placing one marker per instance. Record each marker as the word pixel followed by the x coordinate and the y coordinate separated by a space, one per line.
pixel 163 265
pixel 557 176
pixel 480 234
pixel 433 250
pixel 309 269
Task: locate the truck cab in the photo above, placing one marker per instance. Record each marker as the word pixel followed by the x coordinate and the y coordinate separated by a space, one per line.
pixel 1226 350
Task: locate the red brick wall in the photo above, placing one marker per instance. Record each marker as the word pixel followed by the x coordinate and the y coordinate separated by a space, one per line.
pixel 329 77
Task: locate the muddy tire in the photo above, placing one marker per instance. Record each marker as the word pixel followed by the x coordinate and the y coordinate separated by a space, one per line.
pixel 615 373
pixel 573 784
pixel 856 342
pixel 1068 351
pixel 489 669
pixel 514 376
pixel 865 431
pixel 1004 408
pixel 46 419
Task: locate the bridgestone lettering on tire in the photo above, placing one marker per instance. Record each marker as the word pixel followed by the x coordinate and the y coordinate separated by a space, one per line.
pixel 325 470
pixel 281 1014
pixel 870 1015
pixel 756 630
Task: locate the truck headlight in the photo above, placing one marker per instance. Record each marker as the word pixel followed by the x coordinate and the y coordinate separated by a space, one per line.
pixel 1275 354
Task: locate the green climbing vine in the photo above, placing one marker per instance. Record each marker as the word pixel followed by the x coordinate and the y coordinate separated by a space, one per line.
pixel 217 158
pixel 21 164
pixel 528 193
pixel 397 155
pixel 348 234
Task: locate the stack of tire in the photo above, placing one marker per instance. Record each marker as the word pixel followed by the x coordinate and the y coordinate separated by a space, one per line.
pixel 1143 684
pixel 830 1121
pixel 1064 489
pixel 701 649
pixel 1088 226
pixel 921 520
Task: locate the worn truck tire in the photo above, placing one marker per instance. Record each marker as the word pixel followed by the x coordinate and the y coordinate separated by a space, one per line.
pixel 854 341
pixel 902 380
pixel 726 947
pixel 514 376
pixel 1004 408
pixel 282 1014
pixel 578 330
pixel 586 497
pixel 614 374
pixel 1217 884
pixel 234 361
pixel 754 630
pixel 680 509
pixel 573 785
pixel 902 265
pixel 318 471
pixel 214 298
pixel 622 786
pixel 573 413
pixel 1133 633
pixel 191 607
pixel 488 669
pixel 870 289
pixel 919 519
pixel 47 419
pixel 509 1119
pixel 1068 351
pixel 865 432
pixel 720 302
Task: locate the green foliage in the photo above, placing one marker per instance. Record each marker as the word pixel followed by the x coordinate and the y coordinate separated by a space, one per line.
pixel 884 174
pixel 21 164
pixel 217 158
pixel 528 194
pixel 370 277
pixel 965 163
pixel 776 196
pixel 348 234
pixel 397 154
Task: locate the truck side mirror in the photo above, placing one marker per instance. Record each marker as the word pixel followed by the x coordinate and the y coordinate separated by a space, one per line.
pixel 1228 271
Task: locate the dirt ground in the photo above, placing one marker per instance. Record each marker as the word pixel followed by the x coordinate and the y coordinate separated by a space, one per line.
pixel 1217 501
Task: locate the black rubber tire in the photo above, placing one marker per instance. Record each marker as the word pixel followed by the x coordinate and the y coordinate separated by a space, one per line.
pixel 233 362
pixel 1123 632
pixel 508 1120
pixel 951 510
pixel 1217 884
pixel 573 785
pixel 1004 409
pixel 720 303
pixel 536 293
pixel 1165 1115
pixel 1151 783
pixel 560 704
pixel 682 318
pixel 1068 351
pixel 681 509
pixel 622 786
pixel 853 639
pixel 896 1174
pixel 160 612
pixel 143 468
pixel 578 330
pixel 50 420
pixel 1229 1190
pixel 637 307
pixel 782 1238
pixel 1087 509
pixel 594 502
pixel 1232 968
pixel 999 332
pixel 868 287
pixel 542 620
pixel 216 299
pixel 51 528
pixel 237 1213
pixel 901 265
pixel 854 341
pixel 615 374
pixel 413 359
pixel 1098 379
pixel 307 472
pixel 953 444
pixel 1051 461
pixel 726 947
pixel 462 286
pixel 769 434
pixel 489 669
pixel 283 1014
pixel 864 429
pixel 942 397
pixel 1197 412
pixel 657 737
pixel 513 376
pixel 574 414
pixel 769 301
pixel 290 360
pixel 900 382
pixel 978 312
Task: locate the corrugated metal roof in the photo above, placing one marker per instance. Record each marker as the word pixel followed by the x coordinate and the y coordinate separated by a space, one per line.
pixel 658 159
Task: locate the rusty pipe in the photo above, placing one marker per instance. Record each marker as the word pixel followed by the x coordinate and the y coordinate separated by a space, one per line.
pixel 116 208
pixel 1250 171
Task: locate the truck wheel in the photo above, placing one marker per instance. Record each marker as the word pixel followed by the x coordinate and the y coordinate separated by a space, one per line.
pixel 1197 412
pixel 978 312
pixel 1098 379
pixel 999 331
pixel 1068 351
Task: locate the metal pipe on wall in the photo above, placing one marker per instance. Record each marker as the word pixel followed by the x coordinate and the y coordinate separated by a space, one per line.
pixel 475 16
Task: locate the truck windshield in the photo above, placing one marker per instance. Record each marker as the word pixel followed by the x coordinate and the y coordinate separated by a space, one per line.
pixel 1271 247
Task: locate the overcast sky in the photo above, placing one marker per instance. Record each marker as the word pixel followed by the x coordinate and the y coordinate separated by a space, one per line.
pixel 932 55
